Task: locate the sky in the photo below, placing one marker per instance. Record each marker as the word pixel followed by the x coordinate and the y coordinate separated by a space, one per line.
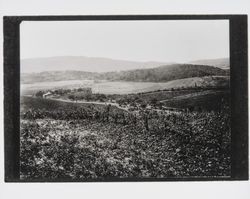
pixel 164 41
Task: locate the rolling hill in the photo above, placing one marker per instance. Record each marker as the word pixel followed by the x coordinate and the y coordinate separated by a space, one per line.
pixel 160 74
pixel 165 73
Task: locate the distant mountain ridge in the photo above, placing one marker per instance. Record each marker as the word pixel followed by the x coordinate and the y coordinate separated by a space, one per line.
pixel 82 63
pixel 98 64
pixel 223 63
pixel 160 74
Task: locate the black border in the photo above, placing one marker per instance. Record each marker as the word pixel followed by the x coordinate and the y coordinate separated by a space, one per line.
pixel 238 81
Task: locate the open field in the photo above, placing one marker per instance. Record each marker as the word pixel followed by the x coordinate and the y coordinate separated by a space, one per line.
pixel 125 87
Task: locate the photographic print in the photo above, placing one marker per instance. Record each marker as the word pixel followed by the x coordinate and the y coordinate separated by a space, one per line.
pixel 124 99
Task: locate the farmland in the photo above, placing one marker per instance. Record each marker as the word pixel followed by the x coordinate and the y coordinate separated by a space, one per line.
pixel 125 87
pixel 65 140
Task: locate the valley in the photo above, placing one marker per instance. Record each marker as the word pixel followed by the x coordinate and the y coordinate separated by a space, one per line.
pixel 152 122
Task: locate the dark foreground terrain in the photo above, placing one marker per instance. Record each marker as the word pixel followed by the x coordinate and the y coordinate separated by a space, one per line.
pixel 88 141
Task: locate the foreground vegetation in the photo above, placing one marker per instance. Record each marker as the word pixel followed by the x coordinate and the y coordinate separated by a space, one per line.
pixel 79 141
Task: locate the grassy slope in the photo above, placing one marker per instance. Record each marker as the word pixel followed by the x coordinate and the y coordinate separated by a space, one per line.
pixel 52 105
pixel 208 100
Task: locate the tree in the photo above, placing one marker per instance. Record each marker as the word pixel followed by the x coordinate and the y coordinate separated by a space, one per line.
pixel 88 97
pixel 71 97
pixel 39 94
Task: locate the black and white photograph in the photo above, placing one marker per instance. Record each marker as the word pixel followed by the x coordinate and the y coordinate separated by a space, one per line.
pixel 125 99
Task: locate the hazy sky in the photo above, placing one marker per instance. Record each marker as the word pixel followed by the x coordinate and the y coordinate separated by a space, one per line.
pixel 166 41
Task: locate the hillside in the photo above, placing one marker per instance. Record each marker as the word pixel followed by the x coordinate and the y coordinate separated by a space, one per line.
pixel 165 73
pixel 201 82
pixel 204 100
pixel 222 63
pixel 160 74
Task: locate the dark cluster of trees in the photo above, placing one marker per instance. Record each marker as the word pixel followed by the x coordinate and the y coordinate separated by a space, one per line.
pixel 164 73
pixel 60 92
pixel 88 97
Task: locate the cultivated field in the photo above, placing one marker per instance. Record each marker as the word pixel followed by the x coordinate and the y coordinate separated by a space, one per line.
pixel 89 141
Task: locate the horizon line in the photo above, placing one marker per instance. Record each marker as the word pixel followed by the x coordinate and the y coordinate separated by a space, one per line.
pixel 121 59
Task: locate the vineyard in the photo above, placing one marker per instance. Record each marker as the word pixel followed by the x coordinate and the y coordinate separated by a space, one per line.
pixel 89 141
